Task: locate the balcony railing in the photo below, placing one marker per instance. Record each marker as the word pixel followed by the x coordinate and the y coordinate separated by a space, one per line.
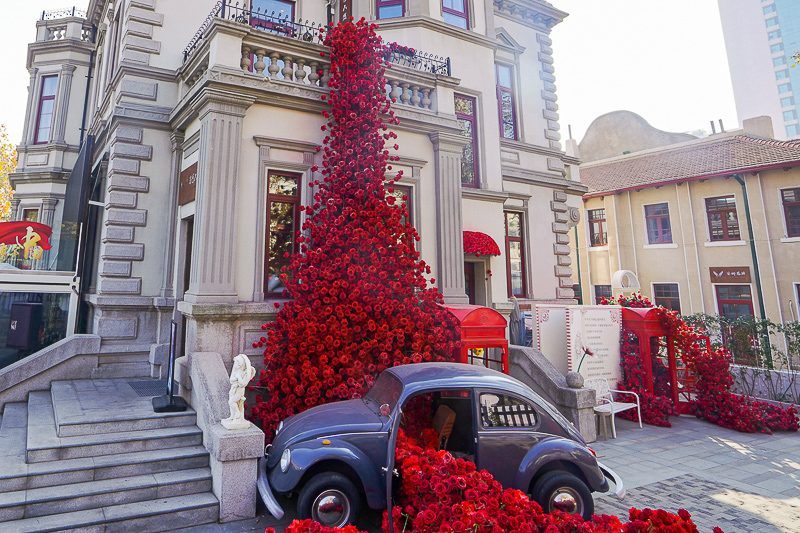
pixel 54 14
pixel 308 31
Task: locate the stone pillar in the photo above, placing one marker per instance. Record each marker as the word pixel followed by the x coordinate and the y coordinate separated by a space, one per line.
pixel 48 211
pixel 14 209
pixel 62 103
pixel 31 112
pixel 214 242
pixel 176 140
pixel 450 230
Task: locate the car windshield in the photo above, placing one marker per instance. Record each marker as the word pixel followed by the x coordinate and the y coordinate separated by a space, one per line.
pixel 386 390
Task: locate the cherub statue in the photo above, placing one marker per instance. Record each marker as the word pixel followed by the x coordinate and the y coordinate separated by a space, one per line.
pixel 241 374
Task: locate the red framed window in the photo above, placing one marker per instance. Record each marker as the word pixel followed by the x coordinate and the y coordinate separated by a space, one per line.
pixel 283 222
pixel 600 292
pixel 667 296
pixel 723 225
pixel 734 301
pixel 657 220
pixel 44 117
pixel 504 79
pixel 402 196
pixel 791 210
pixel 389 9
pixel 598 229
pixel 466 114
pixel 455 12
pixel 515 254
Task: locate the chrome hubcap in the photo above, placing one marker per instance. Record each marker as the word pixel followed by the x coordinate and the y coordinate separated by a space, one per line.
pixel 331 508
pixel 566 500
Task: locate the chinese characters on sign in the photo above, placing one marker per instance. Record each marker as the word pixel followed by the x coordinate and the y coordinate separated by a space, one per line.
pixel 23 241
pixel 187 184
pixel 593 341
pixel 730 274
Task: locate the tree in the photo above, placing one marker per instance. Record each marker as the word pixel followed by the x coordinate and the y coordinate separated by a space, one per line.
pixel 8 163
pixel 360 302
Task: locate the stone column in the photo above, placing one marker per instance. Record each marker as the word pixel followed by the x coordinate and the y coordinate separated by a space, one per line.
pixel 62 103
pixel 30 116
pixel 176 140
pixel 48 211
pixel 214 243
pixel 449 228
pixel 14 214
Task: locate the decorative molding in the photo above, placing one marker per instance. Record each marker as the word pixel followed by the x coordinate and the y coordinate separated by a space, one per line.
pixel 439 27
pixel 531 13
pixel 484 195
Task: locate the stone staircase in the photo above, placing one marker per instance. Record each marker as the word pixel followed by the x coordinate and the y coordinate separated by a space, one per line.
pixel 91 455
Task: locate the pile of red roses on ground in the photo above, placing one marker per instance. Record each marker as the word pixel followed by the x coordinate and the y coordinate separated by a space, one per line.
pixel 714 400
pixel 360 300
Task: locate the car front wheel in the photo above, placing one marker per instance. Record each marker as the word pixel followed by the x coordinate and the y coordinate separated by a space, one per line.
pixel 565 492
pixel 330 499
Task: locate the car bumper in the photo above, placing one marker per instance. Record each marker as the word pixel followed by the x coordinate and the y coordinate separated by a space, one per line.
pixel 265 491
pixel 612 476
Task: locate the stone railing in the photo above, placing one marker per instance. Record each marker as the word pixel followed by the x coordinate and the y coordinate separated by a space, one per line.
pixel 60 29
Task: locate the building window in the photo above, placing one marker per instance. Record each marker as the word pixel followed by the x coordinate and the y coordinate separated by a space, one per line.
pixel 734 301
pixel 657 219
pixel 789 115
pixel 283 221
pixel 781 74
pixel 792 130
pixel 600 292
pixel 791 209
pixel 776 34
pixel 402 196
pixel 455 12
pixel 505 101
pixel 787 102
pixel 723 225
pixel 666 295
pixel 598 230
pixel 775 48
pixel 466 114
pixel 30 215
pixel 274 9
pixel 785 88
pixel 578 296
pixel 769 9
pixel 47 100
pixel 388 9
pixel 515 254
pixel 778 61
pixel 772 22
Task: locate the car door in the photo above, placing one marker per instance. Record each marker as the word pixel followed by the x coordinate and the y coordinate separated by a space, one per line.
pixel 507 428
pixel 388 469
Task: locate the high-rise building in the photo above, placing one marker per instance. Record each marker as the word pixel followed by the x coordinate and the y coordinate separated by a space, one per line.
pixel 760 37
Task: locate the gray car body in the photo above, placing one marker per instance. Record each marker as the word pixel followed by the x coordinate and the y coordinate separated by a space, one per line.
pixel 350 438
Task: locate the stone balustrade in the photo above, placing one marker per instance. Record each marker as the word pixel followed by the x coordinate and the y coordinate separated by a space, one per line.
pixel 410 93
pixel 281 63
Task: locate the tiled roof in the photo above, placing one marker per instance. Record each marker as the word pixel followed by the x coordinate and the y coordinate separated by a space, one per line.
pixel 738 153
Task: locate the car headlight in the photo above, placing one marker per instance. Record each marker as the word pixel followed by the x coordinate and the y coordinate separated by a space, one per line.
pixel 286 459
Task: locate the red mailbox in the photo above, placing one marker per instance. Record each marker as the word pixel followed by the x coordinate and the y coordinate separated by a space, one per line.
pixel 483 336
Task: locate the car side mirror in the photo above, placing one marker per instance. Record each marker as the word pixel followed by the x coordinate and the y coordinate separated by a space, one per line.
pixel 385 410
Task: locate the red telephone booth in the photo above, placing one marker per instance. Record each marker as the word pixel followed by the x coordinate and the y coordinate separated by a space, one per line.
pixel 665 372
pixel 483 336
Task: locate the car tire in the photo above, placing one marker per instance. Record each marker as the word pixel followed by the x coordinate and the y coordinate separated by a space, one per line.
pixel 563 491
pixel 330 499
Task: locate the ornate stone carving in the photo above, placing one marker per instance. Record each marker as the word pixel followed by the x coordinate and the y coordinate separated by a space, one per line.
pixel 241 374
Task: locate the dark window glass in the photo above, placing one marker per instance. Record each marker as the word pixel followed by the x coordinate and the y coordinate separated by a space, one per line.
pixel 600 292
pixel 47 100
pixel 283 212
pixel 666 295
pixel 723 225
pixel 515 254
pixel 402 196
pixel 658 227
pixel 598 230
pixel 734 300
pixel 466 114
pixel 791 210
pixel 506 102
pixel 502 411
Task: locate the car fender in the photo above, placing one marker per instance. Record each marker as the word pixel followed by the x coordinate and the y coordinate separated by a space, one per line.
pixel 309 453
pixel 564 450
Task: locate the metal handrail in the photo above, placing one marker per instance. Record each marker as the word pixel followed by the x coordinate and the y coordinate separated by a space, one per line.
pixel 54 14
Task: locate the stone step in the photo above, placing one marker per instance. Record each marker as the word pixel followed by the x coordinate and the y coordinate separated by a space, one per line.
pixel 123 357
pixel 13 430
pixel 16 476
pixel 163 514
pixel 44 444
pixel 106 370
pixel 92 407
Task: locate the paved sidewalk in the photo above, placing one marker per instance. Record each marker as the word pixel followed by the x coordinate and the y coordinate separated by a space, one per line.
pixel 743 483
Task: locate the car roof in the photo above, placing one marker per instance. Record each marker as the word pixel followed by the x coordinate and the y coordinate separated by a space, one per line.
pixel 422 376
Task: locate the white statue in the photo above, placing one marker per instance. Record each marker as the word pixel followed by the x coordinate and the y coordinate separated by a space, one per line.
pixel 241 374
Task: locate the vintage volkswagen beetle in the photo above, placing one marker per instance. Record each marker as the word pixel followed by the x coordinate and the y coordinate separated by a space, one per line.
pixel 337 456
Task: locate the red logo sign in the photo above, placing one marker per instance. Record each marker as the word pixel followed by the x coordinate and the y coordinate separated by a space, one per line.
pixel 30 238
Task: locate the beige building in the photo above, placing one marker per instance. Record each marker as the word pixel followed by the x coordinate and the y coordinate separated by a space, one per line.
pixel 709 225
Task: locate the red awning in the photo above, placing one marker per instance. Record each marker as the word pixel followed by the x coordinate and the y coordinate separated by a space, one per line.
pixel 479 243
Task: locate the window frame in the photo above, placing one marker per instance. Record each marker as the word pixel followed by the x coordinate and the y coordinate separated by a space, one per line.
pixel 474 121
pixel 603 224
pixel 42 99
pixel 723 219
pixel 500 89
pixel 659 218
pixel 676 298
pixel 598 297
pixel 408 192
pixel 791 230
pixel 265 21
pixel 721 301
pixel 462 15
pixel 286 199
pixel 389 3
pixel 521 240
pixel 28 210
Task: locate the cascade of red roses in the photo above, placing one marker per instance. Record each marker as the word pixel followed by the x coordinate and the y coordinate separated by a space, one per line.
pixel 360 301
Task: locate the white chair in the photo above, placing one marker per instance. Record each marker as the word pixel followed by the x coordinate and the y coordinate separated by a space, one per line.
pixel 606 405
